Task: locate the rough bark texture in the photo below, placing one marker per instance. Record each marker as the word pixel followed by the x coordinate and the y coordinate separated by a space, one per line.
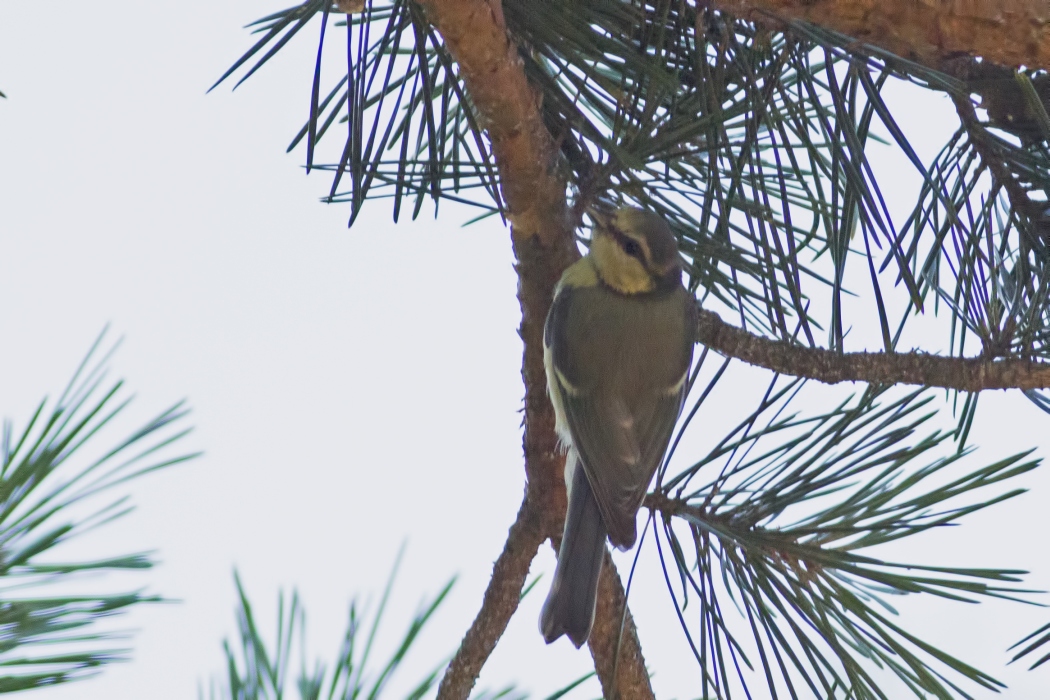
pixel 542 234
pixel 500 602
pixel 534 193
pixel 963 374
pixel 626 678
pixel 538 271
pixel 1008 32
pixel 508 110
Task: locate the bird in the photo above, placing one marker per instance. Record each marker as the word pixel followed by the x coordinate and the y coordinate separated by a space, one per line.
pixel 618 347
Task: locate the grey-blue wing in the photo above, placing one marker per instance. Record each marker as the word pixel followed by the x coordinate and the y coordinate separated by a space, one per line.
pixel 621 447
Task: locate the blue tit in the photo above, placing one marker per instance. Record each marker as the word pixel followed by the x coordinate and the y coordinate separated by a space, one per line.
pixel 618 345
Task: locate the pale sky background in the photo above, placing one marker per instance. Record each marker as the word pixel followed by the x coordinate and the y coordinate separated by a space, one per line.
pixel 352 389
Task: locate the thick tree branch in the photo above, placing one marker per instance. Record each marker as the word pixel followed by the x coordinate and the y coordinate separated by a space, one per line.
pixel 1008 32
pixel 962 374
pixel 508 109
pixel 534 191
pixel 500 602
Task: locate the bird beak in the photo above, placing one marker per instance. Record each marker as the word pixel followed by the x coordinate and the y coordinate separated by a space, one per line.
pixel 601 214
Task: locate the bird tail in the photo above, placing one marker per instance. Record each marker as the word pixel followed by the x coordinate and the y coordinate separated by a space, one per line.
pixel 569 608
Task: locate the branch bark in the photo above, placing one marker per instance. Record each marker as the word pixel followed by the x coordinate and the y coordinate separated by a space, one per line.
pixel 963 374
pixel 534 192
pixel 999 170
pixel 1031 213
pixel 508 110
pixel 1008 32
pixel 499 604
pixel 628 678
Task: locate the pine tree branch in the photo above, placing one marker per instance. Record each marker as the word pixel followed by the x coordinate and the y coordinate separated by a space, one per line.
pixel 1001 174
pixel 508 109
pixel 962 374
pixel 499 604
pixel 623 675
pixel 534 192
pixel 1007 32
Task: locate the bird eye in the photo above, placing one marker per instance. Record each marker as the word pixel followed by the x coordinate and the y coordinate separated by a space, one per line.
pixel 631 248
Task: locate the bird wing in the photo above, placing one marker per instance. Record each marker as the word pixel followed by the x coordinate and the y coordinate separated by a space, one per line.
pixel 620 396
pixel 620 450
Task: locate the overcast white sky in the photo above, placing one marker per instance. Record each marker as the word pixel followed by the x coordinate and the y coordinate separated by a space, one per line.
pixel 351 389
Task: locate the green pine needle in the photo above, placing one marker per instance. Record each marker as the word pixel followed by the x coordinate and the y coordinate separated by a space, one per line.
pixel 43 475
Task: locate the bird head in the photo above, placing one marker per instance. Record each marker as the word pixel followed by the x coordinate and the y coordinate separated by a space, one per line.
pixel 634 251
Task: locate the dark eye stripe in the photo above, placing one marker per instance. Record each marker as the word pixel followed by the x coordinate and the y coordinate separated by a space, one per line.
pixel 629 245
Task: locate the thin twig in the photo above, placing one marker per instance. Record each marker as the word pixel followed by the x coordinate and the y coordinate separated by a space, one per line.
pixel 1000 171
pixel 830 367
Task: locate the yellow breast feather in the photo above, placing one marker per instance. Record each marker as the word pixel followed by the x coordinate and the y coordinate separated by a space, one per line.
pixel 579 274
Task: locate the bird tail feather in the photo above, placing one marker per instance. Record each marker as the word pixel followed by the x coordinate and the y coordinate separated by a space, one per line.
pixel 569 608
